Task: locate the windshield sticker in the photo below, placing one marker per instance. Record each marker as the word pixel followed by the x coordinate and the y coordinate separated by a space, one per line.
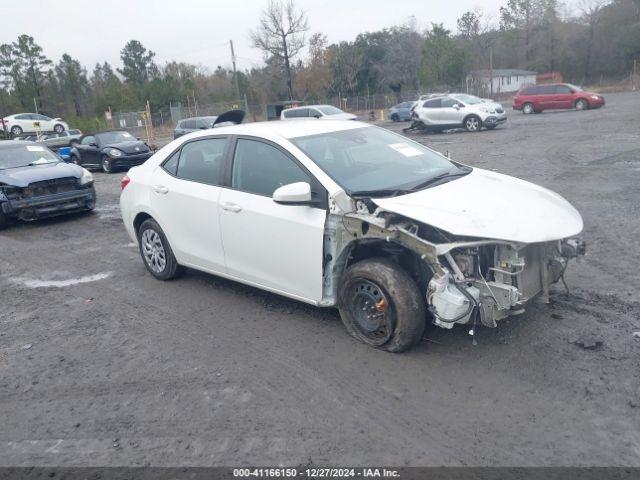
pixel 35 148
pixel 40 161
pixel 405 149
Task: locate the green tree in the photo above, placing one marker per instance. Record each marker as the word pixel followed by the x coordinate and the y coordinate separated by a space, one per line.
pixel 72 79
pixel 138 66
pixel 442 59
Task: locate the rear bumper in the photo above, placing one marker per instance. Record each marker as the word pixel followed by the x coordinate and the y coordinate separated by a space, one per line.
pixel 50 205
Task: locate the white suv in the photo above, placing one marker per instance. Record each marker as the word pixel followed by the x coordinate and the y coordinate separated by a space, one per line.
pixel 353 216
pixel 459 110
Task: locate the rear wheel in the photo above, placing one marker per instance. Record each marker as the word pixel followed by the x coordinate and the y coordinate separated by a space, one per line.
pixel 395 117
pixel 472 123
pixel 581 104
pixel 156 252
pixel 528 109
pixel 107 166
pixel 381 305
pixel 16 130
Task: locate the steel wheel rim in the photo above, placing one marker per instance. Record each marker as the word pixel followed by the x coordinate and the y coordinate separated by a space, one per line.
pixel 371 312
pixel 472 124
pixel 153 250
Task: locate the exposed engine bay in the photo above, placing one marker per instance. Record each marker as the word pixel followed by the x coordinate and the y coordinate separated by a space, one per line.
pixel 464 279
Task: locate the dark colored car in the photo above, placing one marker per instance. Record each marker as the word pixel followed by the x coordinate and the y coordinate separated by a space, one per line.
pixel 110 150
pixel 193 124
pixel 536 98
pixel 35 183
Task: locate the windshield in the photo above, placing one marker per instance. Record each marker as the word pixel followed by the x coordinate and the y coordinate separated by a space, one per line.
pixel 25 155
pixel 468 99
pixel 115 137
pixel 373 159
pixel 329 110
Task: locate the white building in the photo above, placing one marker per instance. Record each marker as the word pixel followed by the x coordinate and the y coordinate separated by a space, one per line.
pixel 504 80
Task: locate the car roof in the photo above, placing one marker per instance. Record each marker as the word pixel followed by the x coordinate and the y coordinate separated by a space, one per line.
pixel 308 106
pixel 5 144
pixel 287 129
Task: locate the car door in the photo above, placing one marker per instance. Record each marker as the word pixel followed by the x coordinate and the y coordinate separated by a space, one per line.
pixel 46 123
pixel 430 111
pixel 451 112
pixel 546 97
pixel 89 150
pixel 564 97
pixel 278 247
pixel 185 191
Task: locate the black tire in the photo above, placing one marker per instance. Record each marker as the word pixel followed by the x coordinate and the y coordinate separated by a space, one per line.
pixel 404 316
pixel 395 117
pixel 582 104
pixel 58 128
pixel 4 221
pixel 528 108
pixel 171 269
pixel 16 130
pixel 105 163
pixel 472 123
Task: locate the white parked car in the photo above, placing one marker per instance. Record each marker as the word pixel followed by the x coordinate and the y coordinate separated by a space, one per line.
pixel 349 215
pixel 33 122
pixel 459 110
pixel 319 112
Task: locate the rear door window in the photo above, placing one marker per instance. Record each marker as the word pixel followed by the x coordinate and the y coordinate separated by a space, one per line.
pixel 201 160
pixel 433 103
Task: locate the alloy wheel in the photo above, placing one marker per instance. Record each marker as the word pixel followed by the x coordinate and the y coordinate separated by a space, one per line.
pixel 153 250
pixel 472 124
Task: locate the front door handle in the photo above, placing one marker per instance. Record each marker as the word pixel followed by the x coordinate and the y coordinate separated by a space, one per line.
pixel 161 189
pixel 231 207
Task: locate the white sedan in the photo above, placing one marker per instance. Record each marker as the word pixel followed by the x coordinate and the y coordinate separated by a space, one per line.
pixel 350 215
pixel 31 123
pixel 316 112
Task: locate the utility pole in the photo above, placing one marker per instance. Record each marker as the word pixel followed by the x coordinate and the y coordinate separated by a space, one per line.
pixel 235 72
pixel 491 70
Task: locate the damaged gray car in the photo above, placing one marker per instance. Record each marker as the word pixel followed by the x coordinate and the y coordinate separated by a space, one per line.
pixel 348 215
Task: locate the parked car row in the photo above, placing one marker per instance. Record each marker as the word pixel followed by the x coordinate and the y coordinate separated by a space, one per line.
pixel 68 138
pixel 439 111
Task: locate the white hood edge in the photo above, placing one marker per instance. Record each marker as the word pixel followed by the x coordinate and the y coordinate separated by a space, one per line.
pixel 490 205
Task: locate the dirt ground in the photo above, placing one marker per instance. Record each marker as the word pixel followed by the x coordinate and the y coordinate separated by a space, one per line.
pixel 100 364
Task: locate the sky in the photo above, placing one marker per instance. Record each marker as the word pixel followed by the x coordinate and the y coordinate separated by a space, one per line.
pixel 198 31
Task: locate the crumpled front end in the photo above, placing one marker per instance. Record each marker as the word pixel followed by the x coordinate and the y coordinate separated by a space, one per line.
pixel 488 282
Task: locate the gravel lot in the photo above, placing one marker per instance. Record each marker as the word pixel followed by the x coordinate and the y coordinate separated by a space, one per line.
pixel 126 370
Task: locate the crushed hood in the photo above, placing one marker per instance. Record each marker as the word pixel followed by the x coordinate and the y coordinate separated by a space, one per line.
pixel 23 176
pixel 490 205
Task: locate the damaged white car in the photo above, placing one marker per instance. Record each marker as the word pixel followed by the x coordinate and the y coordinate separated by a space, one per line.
pixel 348 215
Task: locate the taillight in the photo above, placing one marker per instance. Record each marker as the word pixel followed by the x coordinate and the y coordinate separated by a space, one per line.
pixel 124 182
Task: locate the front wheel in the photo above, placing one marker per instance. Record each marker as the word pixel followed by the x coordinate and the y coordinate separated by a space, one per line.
pixel 395 118
pixel 582 104
pixel 472 123
pixel 107 166
pixel 381 305
pixel 156 251
pixel 58 128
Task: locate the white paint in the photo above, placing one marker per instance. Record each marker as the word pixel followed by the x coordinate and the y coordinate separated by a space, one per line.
pixel 65 283
pixel 490 205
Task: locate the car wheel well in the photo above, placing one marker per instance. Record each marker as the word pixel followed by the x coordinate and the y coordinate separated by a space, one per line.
pixel 407 259
pixel 140 218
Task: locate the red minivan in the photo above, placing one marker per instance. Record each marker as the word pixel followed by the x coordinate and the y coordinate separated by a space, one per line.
pixel 536 98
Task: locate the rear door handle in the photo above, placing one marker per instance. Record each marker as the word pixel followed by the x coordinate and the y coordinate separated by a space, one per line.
pixel 161 189
pixel 231 207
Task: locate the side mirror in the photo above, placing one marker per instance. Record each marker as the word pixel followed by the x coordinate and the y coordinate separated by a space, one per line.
pixel 298 193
